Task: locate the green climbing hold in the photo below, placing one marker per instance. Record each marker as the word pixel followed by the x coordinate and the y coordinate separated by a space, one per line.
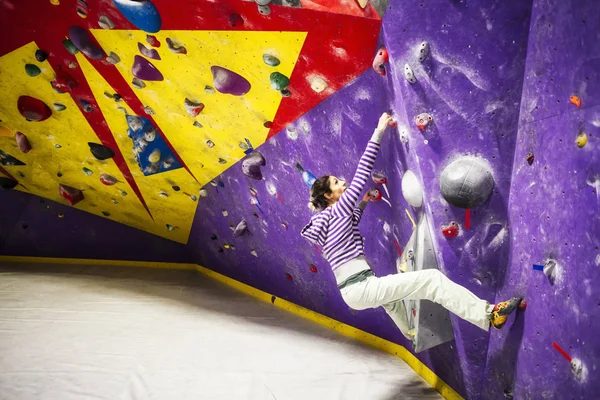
pixel 32 70
pixel 88 171
pixel 271 60
pixel 70 46
pixel 279 81
pixel 59 107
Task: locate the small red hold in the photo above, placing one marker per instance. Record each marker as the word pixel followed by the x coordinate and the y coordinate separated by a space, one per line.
pixel 63 84
pixel 523 305
pixel 152 41
pixel 72 195
pixel 451 230
pixel 530 157
pixel 380 58
pixel 313 268
pixel 375 194
pixel 268 124
pixel 288 277
pixel 235 20
pixel 33 109
pixel 23 143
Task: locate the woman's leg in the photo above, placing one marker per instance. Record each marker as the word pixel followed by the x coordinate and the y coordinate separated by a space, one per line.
pixel 429 284
pixel 397 312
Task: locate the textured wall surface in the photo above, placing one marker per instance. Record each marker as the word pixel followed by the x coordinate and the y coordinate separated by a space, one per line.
pixel 512 83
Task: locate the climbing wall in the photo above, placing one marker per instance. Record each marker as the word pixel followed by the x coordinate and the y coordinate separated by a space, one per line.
pixel 125 109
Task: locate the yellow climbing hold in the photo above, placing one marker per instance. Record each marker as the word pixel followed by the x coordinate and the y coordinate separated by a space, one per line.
pixel 581 139
pixel 154 157
pixel 55 2
pixel 4 131
pixel 363 3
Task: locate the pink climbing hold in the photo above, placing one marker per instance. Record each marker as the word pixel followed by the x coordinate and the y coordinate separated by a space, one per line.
pixel 33 109
pixel 145 70
pixel 108 180
pixel 23 142
pixel 380 58
pixel 72 195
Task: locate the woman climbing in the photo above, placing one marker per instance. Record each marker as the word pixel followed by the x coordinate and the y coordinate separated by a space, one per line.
pixel 335 229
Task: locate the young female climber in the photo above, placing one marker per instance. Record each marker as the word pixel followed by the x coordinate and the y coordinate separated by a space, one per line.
pixel 335 229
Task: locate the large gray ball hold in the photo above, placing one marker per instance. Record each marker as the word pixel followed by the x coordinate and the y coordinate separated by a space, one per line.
pixel 466 182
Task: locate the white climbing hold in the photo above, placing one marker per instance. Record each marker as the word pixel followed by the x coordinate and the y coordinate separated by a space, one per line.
pixel 408 74
pixel 422 120
pixel 411 189
pixel 423 51
pixel 112 58
pixel 203 193
pixel 254 253
pixel 105 22
pixel 318 84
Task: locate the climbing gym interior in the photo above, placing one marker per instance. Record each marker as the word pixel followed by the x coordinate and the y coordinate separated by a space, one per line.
pixel 157 159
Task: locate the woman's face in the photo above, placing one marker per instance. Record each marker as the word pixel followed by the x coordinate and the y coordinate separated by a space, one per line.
pixel 337 187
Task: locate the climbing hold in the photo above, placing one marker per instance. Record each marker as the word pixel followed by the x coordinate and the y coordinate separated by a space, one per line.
pixel 241 229
pixel 523 305
pixel 152 41
pixel 58 146
pixel 422 120
pixel 380 58
pixel 134 122
pixel 61 215
pixel 279 81
pixel 228 82
pixel 264 10
pixel 41 55
pixel 423 51
pixel 63 83
pixel 271 60
pixel 123 193
pixel 105 22
pixel 176 188
pixel 575 100
pixel 88 171
pixel 138 84
pixel 379 178
pixel 318 84
pixel 72 65
pixel 376 195
pixel 23 143
pixel 154 157
pixel 108 180
pixel 251 165
pixel 285 93
pixel 210 144
pixel 222 161
pixel 112 58
pixel 530 157
pixel 220 250
pixel 143 69
pixel 101 152
pixel 7 183
pixel 197 124
pixel 33 109
pixel 284 226
pixel 105 213
pixel 6 132
pixel 82 8
pixel 466 182
pixel 148 110
pixel 141 13
pixel 268 124
pixel 170 227
pixel 71 48
pixel 150 53
pixel 176 47
pixel 32 70
pixel 72 195
pixel 451 230
pixel 82 40
pixel 262 2
pixel 55 2
pixel 288 277
pixel 193 108
pixel 150 135
pixel 411 189
pixel 203 193
pixel 225 213
pixel 291 132
pixel 163 194
pixel 235 20
pixel 408 74
pixel 313 268
pixel 581 139
pixel 307 176
pixel 86 106
pixel 254 253
pixel 550 267
pixel 209 89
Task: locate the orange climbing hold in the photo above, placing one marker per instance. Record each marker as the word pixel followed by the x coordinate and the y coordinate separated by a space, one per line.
pixel 576 100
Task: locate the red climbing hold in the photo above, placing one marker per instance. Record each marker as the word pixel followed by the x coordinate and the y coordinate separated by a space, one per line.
pixel 530 157
pixel 313 268
pixel 451 230
pixel 523 305
pixel 72 195
pixel 288 277
pixel 108 180
pixel 268 124
pixel 422 120
pixel 193 108
pixel 152 41
pixel 381 58
pixel 33 109
pixel 63 83
pixel 23 143
pixel 236 20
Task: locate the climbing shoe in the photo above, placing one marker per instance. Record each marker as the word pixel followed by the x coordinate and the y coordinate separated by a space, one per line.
pixel 502 310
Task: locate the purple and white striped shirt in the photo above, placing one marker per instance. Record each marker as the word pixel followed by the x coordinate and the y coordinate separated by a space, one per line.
pixel 335 229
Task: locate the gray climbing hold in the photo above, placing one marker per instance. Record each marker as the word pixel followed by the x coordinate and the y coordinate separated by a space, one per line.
pixel 240 229
pixel 423 51
pixel 466 182
pixel 88 171
pixel 222 161
pixel 271 60
pixel 113 58
pixel 32 70
pixel 105 22
pixel 175 47
pixel 210 144
pixel 150 53
pixel 138 84
pixel 198 124
pixel 251 165
pixel 408 74
pixel 209 89
pixel 262 2
pixel 148 110
pixel 264 10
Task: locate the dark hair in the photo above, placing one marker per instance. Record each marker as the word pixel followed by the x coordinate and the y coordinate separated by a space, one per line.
pixel 318 190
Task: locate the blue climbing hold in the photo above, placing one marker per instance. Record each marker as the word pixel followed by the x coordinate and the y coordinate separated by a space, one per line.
pixel 143 14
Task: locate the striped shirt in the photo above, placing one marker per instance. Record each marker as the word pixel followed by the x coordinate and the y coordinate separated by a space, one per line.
pixel 335 229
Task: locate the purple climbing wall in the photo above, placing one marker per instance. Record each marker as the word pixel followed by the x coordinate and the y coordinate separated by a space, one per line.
pixel 553 212
pixel 35 227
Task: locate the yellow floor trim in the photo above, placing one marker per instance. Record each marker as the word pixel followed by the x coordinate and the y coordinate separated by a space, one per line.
pixel 88 261
pixel 385 345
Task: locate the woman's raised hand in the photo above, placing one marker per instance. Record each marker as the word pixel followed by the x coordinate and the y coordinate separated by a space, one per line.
pixel 384 121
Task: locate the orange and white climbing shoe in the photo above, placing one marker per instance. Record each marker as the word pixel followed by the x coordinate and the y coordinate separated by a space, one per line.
pixel 502 310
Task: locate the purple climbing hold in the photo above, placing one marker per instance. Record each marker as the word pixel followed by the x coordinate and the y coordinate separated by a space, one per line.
pixel 228 82
pixel 33 109
pixel 150 53
pixel 251 165
pixel 144 70
pixel 82 40
pixel 240 229
pixel 23 142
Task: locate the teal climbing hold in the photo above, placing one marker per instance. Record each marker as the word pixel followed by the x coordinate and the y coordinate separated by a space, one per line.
pixel 271 60
pixel 32 70
pixel 71 48
pixel 59 106
pixel 279 81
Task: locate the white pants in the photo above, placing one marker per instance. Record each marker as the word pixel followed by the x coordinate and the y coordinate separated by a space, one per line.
pixel 429 284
